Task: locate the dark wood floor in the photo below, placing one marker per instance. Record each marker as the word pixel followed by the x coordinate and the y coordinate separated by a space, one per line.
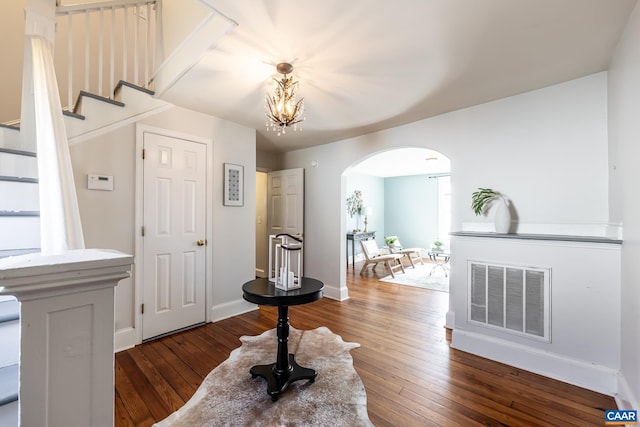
pixel 411 375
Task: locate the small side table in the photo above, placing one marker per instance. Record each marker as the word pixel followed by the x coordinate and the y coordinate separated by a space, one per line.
pixel 285 370
pixel 356 237
pixel 440 259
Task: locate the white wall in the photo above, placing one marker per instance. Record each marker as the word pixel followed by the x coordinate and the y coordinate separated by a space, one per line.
pixel 108 218
pixel 546 149
pixel 268 161
pixel 624 134
pixel 12 47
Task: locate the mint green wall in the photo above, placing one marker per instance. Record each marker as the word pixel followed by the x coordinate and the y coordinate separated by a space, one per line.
pixel 411 209
pixel 405 206
pixel 373 194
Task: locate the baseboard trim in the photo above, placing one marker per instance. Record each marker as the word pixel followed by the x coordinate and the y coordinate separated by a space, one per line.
pixel 625 398
pixel 593 377
pixel 450 320
pixel 230 309
pixel 125 339
pixel 332 292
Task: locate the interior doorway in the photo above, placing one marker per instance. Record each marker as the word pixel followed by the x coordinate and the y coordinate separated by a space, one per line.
pixel 262 246
pixel 279 209
pixel 406 192
pixel 174 233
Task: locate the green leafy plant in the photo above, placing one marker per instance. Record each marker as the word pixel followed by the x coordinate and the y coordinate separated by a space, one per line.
pixel 481 198
pixel 355 203
pixel 437 244
pixel 390 240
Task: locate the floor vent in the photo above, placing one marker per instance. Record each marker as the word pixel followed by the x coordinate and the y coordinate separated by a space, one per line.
pixel 511 298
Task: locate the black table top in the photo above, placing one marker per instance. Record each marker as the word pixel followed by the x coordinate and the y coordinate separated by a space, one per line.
pixel 262 291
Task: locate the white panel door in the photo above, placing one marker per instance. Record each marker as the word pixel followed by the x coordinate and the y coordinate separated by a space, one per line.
pixel 174 234
pixel 285 201
pixel 285 205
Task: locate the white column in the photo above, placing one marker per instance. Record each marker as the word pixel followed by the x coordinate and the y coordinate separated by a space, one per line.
pixel 40 20
pixel 43 130
pixel 60 225
pixel 67 334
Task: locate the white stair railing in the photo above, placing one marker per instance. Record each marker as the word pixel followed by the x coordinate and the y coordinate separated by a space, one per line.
pixel 98 44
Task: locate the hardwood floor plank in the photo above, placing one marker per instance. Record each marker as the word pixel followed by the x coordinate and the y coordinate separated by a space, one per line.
pixel 411 375
pixel 147 392
pixel 121 413
pixel 191 378
pixel 134 405
pixel 169 373
pixel 155 373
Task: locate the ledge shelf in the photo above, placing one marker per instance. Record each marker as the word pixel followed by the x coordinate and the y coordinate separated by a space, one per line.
pixel 550 237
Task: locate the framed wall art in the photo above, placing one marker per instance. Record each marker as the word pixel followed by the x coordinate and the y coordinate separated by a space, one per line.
pixel 233 185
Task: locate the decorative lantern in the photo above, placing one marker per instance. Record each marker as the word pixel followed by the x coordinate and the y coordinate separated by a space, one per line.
pixel 288 262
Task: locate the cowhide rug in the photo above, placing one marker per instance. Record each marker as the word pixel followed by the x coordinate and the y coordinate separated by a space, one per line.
pixel 228 396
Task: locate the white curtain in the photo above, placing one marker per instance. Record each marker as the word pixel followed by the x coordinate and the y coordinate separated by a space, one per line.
pixel 60 226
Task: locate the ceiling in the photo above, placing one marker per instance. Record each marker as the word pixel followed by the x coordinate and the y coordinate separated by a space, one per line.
pixel 403 162
pixel 367 65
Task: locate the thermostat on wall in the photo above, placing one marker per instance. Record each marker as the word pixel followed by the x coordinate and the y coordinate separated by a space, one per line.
pixel 100 182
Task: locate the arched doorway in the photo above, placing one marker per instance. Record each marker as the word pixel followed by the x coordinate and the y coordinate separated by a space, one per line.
pixel 405 192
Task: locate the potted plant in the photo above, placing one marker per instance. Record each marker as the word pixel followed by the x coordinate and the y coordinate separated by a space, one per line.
pixel 354 206
pixel 438 246
pixel 390 241
pixel 481 198
pixel 354 203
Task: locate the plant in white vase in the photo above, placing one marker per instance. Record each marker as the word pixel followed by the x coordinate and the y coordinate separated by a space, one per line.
pixel 480 200
pixel 391 241
pixel 355 204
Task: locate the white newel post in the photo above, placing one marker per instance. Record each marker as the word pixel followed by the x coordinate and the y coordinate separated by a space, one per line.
pixel 67 334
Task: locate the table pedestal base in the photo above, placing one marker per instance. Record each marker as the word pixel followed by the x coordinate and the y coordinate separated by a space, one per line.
pixel 277 382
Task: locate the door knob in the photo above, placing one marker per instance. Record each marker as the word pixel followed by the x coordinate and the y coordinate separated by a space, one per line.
pixel 201 242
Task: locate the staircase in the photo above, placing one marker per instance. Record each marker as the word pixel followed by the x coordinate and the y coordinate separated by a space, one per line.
pixel 19 207
pixel 19 228
pixel 90 116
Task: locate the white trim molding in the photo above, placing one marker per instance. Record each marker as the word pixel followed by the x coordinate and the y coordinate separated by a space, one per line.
pixel 583 374
pixel 230 309
pixel 339 294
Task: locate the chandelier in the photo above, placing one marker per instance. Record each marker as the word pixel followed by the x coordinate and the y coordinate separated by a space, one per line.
pixel 281 109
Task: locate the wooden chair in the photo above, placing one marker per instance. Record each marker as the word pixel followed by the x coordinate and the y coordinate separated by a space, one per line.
pixel 414 254
pixel 373 256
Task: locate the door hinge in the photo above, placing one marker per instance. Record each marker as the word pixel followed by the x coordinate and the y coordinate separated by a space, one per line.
pixel 144 152
pixel 141 308
pixel 142 231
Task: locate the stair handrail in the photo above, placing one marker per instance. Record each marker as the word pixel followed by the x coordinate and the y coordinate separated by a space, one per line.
pixel 126 28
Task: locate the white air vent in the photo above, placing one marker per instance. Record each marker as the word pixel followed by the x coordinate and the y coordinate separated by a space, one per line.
pixel 514 299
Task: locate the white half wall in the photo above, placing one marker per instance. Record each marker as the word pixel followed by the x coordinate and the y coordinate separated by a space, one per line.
pixel 584 302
